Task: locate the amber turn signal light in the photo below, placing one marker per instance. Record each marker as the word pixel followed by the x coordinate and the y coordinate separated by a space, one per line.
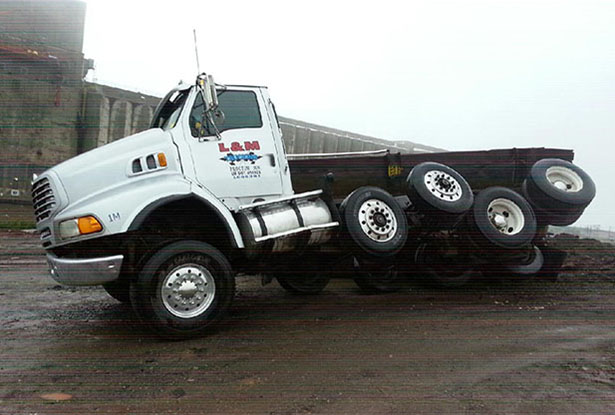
pixel 88 224
pixel 162 160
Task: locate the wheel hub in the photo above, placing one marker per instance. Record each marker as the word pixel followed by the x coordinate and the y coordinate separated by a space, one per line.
pixel 444 183
pixel 564 179
pixel 377 220
pixel 506 216
pixel 443 186
pixel 380 219
pixel 188 290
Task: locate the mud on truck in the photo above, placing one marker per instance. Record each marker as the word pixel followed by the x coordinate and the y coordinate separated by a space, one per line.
pixel 164 219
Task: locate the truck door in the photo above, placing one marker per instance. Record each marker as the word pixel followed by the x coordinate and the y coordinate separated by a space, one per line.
pixel 244 162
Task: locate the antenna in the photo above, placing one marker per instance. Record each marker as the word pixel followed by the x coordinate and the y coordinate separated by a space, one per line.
pixel 196 52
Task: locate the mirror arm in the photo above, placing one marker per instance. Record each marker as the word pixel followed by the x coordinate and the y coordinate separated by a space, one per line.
pixel 210 118
pixel 207 88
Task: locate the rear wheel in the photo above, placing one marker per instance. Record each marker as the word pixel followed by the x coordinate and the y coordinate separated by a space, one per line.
pixel 553 262
pixel 562 216
pixel 303 283
pixel 375 224
pixel 559 186
pixel 183 288
pixel 522 267
pixel 376 278
pixel 440 192
pixel 442 266
pixel 501 218
pixel 307 273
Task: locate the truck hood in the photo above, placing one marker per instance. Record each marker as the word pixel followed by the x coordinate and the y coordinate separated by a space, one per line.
pixel 110 165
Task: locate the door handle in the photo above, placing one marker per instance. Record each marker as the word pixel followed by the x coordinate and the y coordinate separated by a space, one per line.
pixel 271 158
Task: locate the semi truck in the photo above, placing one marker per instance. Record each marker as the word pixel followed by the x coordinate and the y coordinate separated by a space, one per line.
pixel 165 219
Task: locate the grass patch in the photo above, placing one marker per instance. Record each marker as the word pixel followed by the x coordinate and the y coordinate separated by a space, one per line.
pixel 17 224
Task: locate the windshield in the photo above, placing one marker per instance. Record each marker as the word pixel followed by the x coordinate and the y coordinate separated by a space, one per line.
pixel 240 109
pixel 168 114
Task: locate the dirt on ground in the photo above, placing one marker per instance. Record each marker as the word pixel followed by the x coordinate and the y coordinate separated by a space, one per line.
pixel 508 347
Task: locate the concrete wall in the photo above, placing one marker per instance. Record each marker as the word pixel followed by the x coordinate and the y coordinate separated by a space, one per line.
pixel 303 137
pixel 112 113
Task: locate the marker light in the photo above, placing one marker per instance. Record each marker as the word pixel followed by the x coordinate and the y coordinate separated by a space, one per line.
pixel 162 160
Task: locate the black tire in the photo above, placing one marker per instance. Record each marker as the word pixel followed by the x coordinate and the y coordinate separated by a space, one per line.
pixel 438 268
pixel 119 290
pixel 201 271
pixel 434 187
pixel 303 283
pixel 553 262
pixel 501 218
pixel 557 218
pixel 576 189
pixel 376 278
pixel 375 226
pixel 562 216
pixel 522 268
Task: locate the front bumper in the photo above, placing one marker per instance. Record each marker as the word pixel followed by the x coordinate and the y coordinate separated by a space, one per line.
pixel 88 271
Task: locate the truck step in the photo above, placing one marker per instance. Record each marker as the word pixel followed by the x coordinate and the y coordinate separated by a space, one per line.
pixel 297 231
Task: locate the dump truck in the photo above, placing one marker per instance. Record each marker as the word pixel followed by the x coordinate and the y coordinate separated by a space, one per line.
pixel 165 219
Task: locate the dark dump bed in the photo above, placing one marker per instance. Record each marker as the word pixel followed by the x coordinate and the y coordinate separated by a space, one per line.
pixel 507 167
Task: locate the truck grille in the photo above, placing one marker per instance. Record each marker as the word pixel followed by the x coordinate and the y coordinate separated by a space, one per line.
pixel 43 199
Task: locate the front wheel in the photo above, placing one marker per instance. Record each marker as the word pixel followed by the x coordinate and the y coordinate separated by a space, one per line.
pixel 119 290
pixel 183 288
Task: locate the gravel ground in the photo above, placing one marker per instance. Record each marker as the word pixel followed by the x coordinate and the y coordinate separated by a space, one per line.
pixel 509 347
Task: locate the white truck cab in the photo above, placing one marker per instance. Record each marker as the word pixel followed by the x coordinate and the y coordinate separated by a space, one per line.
pixel 211 171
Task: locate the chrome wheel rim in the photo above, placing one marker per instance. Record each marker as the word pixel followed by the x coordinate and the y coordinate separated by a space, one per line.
pixel 564 179
pixel 188 290
pixel 443 186
pixel 377 220
pixel 506 216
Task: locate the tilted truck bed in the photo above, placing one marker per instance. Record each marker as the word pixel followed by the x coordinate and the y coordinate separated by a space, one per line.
pixel 506 167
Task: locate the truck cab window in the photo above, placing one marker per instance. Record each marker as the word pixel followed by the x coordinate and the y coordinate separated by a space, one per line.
pixel 240 109
pixel 166 117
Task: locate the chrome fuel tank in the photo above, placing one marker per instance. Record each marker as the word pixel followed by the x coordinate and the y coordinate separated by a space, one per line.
pixel 286 224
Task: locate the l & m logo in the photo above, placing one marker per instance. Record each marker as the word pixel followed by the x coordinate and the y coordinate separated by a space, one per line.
pixel 234 154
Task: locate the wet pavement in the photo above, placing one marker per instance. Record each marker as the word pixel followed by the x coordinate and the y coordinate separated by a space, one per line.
pixel 511 347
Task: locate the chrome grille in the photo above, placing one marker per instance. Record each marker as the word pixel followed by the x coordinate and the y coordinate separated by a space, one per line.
pixel 43 199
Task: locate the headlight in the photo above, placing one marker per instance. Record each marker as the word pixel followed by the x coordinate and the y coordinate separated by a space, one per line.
pixel 79 226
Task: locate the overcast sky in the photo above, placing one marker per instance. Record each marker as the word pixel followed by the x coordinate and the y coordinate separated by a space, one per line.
pixel 459 75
